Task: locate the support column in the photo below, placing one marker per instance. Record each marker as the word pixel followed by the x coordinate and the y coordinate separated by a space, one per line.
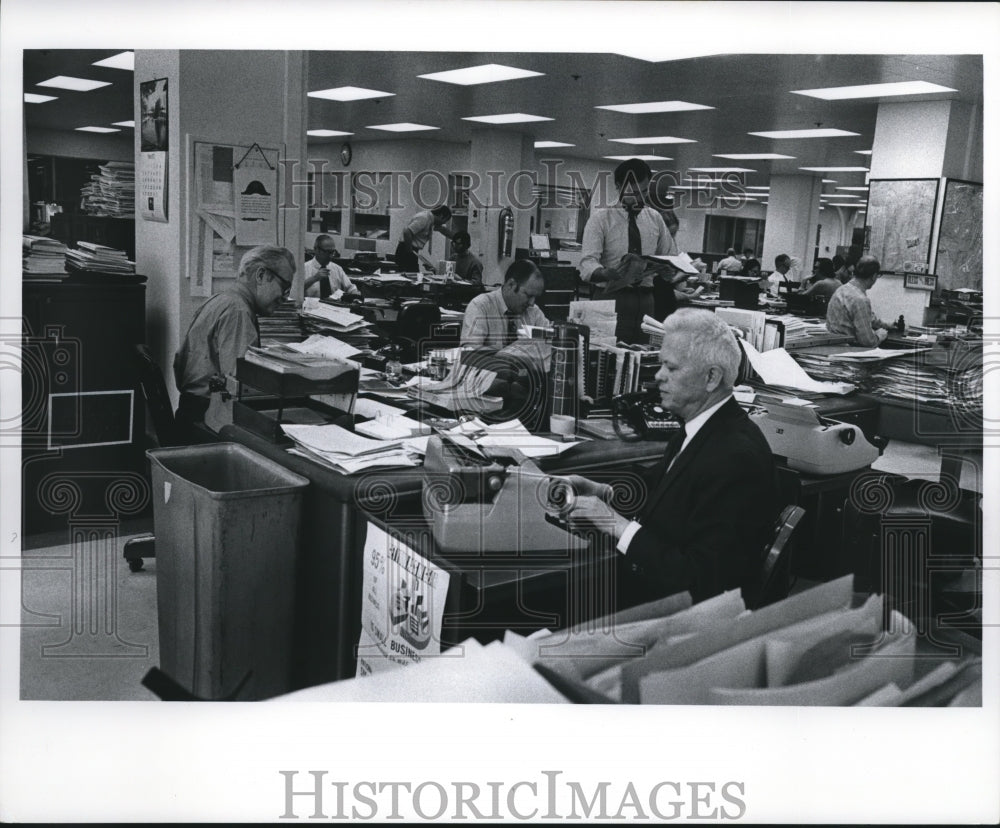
pixel 792 216
pixel 505 164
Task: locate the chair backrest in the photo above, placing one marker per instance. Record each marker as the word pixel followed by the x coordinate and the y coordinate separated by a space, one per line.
pixel 154 389
pixel 414 325
pixel 774 581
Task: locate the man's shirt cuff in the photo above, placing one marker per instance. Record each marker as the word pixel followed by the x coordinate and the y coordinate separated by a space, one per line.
pixel 627 536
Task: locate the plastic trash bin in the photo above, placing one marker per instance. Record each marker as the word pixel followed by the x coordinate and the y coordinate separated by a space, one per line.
pixel 227 524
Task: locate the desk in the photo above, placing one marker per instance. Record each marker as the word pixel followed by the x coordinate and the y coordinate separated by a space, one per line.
pixel 335 511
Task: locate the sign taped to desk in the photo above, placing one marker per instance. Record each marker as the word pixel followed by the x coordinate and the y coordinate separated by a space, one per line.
pixel 403 599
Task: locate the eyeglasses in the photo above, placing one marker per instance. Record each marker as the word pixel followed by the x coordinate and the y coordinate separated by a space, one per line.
pixel 286 287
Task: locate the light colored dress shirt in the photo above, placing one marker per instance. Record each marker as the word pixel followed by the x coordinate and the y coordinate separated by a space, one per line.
pixel 849 312
pixel 485 321
pixel 691 427
pixel 468 267
pixel 605 239
pixel 421 226
pixel 337 279
pixel 220 333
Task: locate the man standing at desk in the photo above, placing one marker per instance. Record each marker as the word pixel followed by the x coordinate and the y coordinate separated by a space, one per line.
pixel 492 319
pixel 417 233
pixel 321 267
pixel 712 499
pixel 226 325
pixel 614 242
pixel 850 310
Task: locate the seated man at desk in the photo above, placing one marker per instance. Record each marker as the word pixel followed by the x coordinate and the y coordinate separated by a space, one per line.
pixel 225 326
pixel 492 319
pixel 467 266
pixel 787 272
pixel 710 503
pixel 850 310
pixel 321 267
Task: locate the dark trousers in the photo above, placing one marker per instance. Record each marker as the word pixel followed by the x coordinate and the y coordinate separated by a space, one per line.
pixel 406 258
pixel 664 300
pixel 631 304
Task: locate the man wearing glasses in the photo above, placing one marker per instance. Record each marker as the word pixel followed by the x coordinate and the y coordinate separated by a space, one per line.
pixel 225 326
pixel 321 268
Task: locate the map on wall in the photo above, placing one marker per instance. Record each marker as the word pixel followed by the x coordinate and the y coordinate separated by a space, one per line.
pixel 960 240
pixel 901 217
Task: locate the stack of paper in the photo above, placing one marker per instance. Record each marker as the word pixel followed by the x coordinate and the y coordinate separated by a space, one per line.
pixel 777 367
pixel 337 319
pixel 283 360
pixel 599 316
pixel 816 362
pixel 41 255
pixel 936 377
pixel 282 325
pixel 386 421
pixel 345 451
pixel 97 258
pixel 503 438
pixel 111 192
pixel 328 346
pixel 464 389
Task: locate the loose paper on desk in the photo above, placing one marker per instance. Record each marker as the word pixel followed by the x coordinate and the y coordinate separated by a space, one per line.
pixel 872 355
pixel 776 367
pixel 328 346
pixel 402 605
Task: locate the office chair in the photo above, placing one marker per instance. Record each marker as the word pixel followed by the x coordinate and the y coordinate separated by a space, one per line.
pixel 154 390
pixel 414 327
pixel 775 581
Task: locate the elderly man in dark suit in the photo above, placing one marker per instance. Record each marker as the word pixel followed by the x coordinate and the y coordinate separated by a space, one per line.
pixel 711 502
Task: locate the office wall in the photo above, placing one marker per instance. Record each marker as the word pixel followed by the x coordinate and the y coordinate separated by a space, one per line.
pixel 69 143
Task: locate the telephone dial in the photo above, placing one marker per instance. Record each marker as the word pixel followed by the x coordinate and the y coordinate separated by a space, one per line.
pixel 641 416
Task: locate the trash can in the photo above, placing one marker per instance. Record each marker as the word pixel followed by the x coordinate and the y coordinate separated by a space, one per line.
pixel 227 524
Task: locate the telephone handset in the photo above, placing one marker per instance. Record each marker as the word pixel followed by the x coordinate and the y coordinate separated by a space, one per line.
pixel 505 233
pixel 641 416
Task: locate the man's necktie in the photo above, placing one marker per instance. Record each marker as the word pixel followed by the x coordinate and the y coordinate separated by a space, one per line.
pixel 634 238
pixel 674 447
pixel 511 333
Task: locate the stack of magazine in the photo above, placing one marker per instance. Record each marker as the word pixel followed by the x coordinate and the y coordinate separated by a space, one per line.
pixel 88 257
pixel 42 257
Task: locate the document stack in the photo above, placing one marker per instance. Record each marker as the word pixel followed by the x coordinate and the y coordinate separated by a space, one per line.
pixel 951 379
pixel 599 316
pixel 282 325
pixel 88 257
pixel 111 192
pixel 345 451
pixel 826 646
pixel 320 317
pixel 42 257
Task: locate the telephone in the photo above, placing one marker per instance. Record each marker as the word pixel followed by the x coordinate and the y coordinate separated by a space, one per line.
pixel 641 416
pixel 505 231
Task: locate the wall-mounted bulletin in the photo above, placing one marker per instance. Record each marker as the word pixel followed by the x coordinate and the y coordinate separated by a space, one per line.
pixel 232 206
pixel 154 141
pixel 960 236
pixel 901 217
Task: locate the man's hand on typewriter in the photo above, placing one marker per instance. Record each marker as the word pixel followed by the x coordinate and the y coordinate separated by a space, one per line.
pixel 592 512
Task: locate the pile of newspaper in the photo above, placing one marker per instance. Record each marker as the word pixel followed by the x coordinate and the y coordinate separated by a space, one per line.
pixel 111 192
pixel 42 256
pixel 88 257
pixel 346 452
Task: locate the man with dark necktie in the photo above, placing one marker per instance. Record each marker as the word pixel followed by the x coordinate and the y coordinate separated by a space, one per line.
pixel 614 241
pixel 710 504
pixel 492 319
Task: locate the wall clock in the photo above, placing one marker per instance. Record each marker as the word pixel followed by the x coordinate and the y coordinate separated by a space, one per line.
pixel 346 153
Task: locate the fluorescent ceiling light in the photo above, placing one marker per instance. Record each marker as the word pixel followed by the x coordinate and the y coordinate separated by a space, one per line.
pixel 640 157
pixel 76 84
pixel 326 133
pixel 721 169
pixel 757 187
pixel 551 144
pixel 805 133
pixel 829 180
pixel 863 152
pixel 487 73
pixel 873 90
pixel 509 118
pixel 835 169
pixel 123 60
pixel 663 48
pixel 403 127
pixel 838 195
pixel 349 93
pixel 659 139
pixel 130 124
pixel 691 187
pixel 753 156
pixel 31 97
pixel 96 129
pixel 654 106
pixel 858 189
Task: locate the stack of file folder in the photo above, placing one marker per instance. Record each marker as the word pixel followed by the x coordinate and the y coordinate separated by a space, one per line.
pixel 88 257
pixel 42 256
pixel 345 451
pixel 111 192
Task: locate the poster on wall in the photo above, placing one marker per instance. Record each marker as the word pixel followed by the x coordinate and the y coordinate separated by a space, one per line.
pixel 255 184
pixel 153 132
pixel 152 196
pixel 403 599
